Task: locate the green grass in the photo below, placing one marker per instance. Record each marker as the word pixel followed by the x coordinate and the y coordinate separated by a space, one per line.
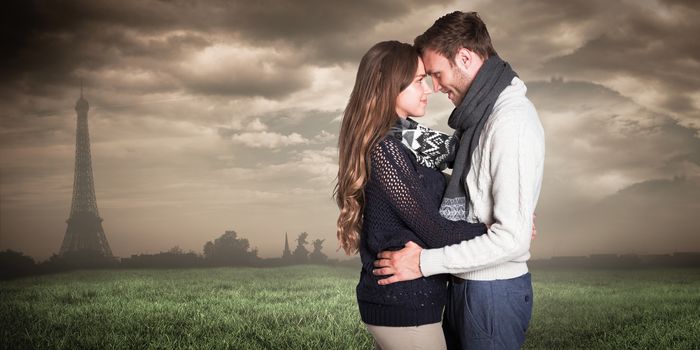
pixel 638 309
pixel 313 307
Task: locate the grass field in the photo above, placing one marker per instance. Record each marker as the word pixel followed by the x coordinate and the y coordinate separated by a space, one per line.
pixel 313 307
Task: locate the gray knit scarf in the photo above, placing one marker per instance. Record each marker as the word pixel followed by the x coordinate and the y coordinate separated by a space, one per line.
pixel 468 120
pixel 431 148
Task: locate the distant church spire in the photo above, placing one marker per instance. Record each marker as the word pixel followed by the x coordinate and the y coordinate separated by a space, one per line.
pixel 286 254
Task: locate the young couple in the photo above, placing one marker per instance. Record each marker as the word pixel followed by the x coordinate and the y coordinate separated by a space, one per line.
pixel 416 229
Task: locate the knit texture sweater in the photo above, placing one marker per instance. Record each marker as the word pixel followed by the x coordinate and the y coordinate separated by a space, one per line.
pixel 402 199
pixel 504 184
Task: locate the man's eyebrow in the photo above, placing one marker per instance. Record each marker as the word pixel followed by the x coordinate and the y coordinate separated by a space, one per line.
pixel 431 72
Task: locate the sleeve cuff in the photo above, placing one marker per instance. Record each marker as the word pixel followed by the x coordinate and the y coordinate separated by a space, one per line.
pixel 432 262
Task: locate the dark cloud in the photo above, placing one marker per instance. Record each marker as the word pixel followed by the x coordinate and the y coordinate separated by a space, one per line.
pixel 653 46
pixel 311 122
pixel 643 49
pixel 87 36
pixel 600 141
pixel 316 126
pixel 243 82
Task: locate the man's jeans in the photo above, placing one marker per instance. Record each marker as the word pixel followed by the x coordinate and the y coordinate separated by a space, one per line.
pixel 487 314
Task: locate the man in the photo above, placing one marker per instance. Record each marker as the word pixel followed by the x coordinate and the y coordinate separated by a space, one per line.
pixel 496 179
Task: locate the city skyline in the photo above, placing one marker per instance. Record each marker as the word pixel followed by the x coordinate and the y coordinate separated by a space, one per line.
pixel 215 116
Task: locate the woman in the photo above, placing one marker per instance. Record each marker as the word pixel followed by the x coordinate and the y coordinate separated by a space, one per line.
pixel 388 196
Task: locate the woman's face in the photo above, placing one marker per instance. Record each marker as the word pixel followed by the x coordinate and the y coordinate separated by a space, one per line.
pixel 413 99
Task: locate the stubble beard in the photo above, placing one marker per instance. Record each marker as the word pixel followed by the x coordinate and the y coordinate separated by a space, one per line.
pixel 462 82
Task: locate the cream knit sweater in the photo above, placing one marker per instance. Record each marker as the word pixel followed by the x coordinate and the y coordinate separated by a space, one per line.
pixel 504 184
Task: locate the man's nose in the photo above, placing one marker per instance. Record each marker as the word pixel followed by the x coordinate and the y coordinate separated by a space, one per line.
pixel 436 85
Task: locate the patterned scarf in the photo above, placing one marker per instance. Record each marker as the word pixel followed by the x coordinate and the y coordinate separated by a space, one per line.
pixel 432 148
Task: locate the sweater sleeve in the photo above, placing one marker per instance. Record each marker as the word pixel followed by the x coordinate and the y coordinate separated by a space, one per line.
pixel 401 186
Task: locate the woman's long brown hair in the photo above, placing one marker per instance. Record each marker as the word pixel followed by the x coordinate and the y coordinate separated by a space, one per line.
pixel 385 70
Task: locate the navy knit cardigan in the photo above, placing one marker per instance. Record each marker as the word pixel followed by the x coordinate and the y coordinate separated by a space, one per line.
pixel 402 199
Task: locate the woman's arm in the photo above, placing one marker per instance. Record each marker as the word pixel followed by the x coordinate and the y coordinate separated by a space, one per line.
pixel 400 184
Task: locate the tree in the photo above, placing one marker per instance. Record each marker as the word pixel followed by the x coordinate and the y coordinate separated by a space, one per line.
pixel 301 255
pixel 14 264
pixel 79 259
pixel 228 249
pixel 208 249
pixel 176 250
pixel 316 256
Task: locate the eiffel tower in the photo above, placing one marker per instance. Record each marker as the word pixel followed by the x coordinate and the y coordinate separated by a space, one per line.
pixel 84 232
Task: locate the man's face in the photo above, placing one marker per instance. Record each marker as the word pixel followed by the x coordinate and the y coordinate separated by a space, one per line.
pixel 451 79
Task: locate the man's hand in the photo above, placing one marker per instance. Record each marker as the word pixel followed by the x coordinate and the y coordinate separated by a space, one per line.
pixel 403 264
pixel 534 229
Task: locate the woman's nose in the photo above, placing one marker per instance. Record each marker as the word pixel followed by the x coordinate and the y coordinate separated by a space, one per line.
pixel 426 88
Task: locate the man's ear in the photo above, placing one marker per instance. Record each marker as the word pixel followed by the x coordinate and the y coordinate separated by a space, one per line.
pixel 464 58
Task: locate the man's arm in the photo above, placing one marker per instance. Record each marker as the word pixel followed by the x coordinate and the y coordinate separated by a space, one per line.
pixel 516 160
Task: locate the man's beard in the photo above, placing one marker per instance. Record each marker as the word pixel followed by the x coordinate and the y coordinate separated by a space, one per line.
pixel 462 82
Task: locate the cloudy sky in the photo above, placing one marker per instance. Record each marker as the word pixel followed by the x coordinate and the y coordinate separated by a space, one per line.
pixel 211 116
